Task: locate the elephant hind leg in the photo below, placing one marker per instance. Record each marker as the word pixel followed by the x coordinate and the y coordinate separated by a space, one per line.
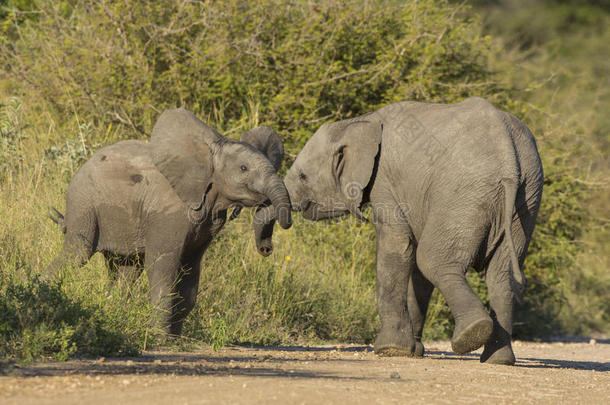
pixel 446 250
pixel 498 349
pixel 79 244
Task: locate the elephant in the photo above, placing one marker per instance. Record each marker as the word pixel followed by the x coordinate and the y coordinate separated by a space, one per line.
pixel 451 187
pixel 157 205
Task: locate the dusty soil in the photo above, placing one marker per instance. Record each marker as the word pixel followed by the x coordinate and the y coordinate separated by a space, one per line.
pixel 544 373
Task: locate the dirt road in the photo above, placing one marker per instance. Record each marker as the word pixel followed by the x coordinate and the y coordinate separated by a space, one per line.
pixel 545 373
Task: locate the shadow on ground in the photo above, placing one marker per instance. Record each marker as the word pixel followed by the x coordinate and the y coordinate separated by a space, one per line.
pixel 181 364
pixel 252 361
pixel 565 364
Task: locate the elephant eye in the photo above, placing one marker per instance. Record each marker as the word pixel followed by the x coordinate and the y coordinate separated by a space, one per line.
pixel 302 176
pixel 244 168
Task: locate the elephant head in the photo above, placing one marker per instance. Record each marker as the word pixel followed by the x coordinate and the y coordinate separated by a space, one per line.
pixel 206 169
pixel 329 176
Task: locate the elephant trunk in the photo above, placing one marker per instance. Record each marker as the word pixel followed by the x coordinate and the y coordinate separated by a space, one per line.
pixel 264 220
pixel 278 195
pixel 265 217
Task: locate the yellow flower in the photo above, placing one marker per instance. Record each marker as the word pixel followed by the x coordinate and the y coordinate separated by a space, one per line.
pixel 287 258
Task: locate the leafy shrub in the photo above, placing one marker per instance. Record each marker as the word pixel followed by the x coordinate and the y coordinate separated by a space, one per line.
pixel 293 65
pixel 38 319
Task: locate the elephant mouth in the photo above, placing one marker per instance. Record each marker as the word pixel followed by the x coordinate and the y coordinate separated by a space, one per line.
pixel 315 212
pixel 259 200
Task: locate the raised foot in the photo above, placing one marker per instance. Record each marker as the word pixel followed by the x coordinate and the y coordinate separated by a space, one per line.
pixel 473 336
pixel 503 355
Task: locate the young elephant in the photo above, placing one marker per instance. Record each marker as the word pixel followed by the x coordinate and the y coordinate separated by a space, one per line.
pixel 158 205
pixel 451 187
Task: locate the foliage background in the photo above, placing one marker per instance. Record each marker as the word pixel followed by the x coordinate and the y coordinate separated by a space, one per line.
pixel 75 76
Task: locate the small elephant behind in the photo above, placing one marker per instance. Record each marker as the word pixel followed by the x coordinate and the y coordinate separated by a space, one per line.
pixel 157 205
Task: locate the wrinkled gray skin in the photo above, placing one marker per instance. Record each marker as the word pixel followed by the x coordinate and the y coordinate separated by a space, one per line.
pixel 158 205
pixel 451 187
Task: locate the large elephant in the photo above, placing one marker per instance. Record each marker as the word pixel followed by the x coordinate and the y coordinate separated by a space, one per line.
pixel 158 205
pixel 451 187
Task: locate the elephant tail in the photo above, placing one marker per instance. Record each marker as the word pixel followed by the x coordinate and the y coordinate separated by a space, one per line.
pixel 510 194
pixel 58 218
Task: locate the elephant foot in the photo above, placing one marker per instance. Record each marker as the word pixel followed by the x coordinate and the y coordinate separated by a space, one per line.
pixel 419 349
pixel 495 354
pixel 175 330
pixel 394 345
pixel 474 335
pixel 393 351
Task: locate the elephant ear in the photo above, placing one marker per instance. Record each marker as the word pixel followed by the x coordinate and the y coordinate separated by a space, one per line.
pixel 268 142
pixel 182 148
pixel 356 148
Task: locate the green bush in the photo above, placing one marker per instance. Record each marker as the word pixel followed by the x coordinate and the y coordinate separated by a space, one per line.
pixel 292 65
pixel 38 319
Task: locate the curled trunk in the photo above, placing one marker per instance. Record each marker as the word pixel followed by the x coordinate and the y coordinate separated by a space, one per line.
pixel 280 201
pixel 265 217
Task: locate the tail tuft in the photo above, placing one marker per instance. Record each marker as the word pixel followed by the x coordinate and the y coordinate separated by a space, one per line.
pixel 58 218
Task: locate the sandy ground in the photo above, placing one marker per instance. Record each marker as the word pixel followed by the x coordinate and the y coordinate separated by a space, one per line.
pixel 545 373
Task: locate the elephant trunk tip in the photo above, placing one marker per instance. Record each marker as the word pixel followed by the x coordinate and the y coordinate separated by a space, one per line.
pixel 265 250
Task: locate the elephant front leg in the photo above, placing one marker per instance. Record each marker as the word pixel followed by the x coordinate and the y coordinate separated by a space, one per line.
pixel 420 291
pixel 187 287
pixel 395 261
pixel 163 270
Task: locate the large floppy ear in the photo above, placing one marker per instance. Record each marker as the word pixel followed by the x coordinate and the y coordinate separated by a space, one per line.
pixel 356 146
pixel 182 148
pixel 268 142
